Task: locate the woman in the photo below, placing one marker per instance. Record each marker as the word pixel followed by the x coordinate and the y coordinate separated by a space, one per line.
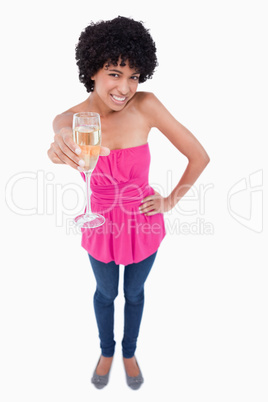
pixel 113 58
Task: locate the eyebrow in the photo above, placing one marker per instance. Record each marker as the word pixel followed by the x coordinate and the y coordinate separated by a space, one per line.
pixel 120 72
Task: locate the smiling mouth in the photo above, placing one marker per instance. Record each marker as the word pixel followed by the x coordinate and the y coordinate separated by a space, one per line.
pixel 118 99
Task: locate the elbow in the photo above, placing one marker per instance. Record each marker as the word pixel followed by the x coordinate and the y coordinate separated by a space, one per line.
pixel 206 160
pixel 202 160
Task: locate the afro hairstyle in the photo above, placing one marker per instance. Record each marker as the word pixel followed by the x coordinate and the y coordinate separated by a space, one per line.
pixel 105 42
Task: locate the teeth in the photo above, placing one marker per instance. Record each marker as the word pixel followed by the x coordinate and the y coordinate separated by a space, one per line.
pixel 118 98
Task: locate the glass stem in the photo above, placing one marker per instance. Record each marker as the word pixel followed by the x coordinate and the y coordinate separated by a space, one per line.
pixel 88 207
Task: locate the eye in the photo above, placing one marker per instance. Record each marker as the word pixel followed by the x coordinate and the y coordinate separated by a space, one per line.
pixel 135 78
pixel 114 75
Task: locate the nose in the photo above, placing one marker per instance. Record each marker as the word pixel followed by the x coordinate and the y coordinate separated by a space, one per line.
pixel 123 87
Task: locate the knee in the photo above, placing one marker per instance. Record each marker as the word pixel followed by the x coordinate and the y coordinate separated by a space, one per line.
pixel 105 296
pixel 134 297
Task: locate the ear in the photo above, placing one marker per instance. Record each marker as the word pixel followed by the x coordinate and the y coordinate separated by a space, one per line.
pixel 93 77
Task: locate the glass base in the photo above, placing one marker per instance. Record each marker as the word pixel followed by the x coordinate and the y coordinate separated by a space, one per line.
pixel 89 221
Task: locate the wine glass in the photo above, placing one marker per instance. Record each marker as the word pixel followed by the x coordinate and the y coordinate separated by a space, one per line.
pixel 87 134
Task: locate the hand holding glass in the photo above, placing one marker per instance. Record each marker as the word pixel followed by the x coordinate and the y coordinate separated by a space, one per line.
pixel 87 134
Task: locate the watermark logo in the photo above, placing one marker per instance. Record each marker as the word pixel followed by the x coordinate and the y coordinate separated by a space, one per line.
pixel 245 201
pixel 37 193
pixel 43 196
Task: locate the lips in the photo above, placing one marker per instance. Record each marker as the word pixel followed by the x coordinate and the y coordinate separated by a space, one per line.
pixel 118 99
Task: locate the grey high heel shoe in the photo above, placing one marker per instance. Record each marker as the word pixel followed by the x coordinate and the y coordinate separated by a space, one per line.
pixel 100 381
pixel 134 382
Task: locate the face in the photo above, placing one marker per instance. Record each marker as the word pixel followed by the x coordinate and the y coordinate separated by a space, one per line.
pixel 115 85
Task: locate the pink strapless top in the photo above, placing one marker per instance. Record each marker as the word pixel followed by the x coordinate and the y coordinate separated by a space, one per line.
pixel 118 184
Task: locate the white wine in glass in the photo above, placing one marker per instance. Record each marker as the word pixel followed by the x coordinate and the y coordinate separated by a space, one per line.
pixel 87 134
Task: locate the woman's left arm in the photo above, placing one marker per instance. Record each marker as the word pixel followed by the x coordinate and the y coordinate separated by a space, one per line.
pixel 186 143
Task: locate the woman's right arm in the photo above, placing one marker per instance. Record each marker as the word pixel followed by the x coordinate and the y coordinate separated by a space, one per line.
pixel 64 150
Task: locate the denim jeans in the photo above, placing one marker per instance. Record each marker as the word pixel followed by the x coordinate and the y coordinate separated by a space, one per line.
pixel 107 278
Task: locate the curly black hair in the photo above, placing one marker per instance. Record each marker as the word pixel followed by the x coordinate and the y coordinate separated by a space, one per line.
pixel 107 41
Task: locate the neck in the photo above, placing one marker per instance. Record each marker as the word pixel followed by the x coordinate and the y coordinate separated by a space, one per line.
pixel 95 104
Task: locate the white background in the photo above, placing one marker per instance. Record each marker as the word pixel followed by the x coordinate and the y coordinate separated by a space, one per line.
pixel 204 331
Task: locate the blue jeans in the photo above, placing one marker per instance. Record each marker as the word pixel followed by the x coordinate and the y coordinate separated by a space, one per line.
pixel 107 278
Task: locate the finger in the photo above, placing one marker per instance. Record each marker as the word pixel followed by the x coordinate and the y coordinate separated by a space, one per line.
pixel 64 139
pixel 69 162
pixel 104 151
pixel 53 157
pixel 63 150
pixel 67 135
pixel 147 199
pixel 71 144
pixel 57 156
pixel 146 204
pixel 73 147
pixel 151 197
pixel 144 209
pixel 151 213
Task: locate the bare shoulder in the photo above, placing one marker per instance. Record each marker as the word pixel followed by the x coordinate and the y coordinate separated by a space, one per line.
pixel 143 98
pixel 148 101
pixel 150 106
